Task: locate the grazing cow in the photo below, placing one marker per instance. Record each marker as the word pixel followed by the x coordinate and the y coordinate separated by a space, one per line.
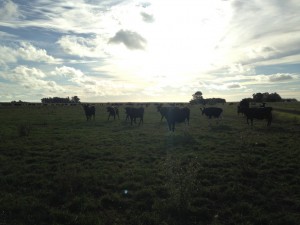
pixel 134 113
pixel 112 111
pixel 212 112
pixel 177 115
pixel 259 113
pixel 89 111
pixel 163 111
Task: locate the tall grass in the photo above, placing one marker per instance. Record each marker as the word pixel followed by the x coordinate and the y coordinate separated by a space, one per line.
pixel 66 170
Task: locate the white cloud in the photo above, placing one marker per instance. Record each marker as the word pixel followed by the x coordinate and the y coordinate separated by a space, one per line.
pixel 7 55
pixel 9 10
pixel 30 78
pixel 30 53
pixel 25 51
pixel 73 75
pixel 28 73
pixel 83 47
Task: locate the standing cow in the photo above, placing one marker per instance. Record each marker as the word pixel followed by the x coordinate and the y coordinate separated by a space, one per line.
pixel 112 111
pixel 259 113
pixel 134 113
pixel 177 115
pixel 89 111
pixel 163 111
pixel 212 112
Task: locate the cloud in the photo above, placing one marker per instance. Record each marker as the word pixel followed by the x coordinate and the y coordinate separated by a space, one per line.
pixel 280 77
pixel 147 17
pixel 30 53
pixel 9 11
pixel 73 75
pixel 130 39
pixel 27 73
pixel 7 55
pixel 234 86
pixel 30 78
pixel 7 35
pixel 25 51
pixel 83 47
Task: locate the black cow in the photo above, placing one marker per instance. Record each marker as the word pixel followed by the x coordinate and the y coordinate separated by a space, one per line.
pixel 134 113
pixel 112 111
pixel 259 113
pixel 177 115
pixel 212 112
pixel 243 105
pixel 163 111
pixel 241 109
pixel 89 111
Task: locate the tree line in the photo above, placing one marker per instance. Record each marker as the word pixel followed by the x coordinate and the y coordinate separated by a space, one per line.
pixel 270 97
pixel 198 99
pixel 50 100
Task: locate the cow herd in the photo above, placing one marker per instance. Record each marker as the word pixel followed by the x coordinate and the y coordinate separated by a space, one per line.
pixel 174 114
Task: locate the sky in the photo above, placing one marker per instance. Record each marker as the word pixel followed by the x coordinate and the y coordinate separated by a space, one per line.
pixel 148 51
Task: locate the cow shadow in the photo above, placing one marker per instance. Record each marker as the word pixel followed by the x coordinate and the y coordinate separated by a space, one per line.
pixel 183 138
pixel 220 128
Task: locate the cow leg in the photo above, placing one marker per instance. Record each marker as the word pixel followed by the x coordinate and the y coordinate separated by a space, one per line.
pixel 169 125
pixel 173 126
pixel 269 120
pixel 141 121
pixel 131 120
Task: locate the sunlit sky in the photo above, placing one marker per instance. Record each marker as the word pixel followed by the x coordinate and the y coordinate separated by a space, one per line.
pixel 160 50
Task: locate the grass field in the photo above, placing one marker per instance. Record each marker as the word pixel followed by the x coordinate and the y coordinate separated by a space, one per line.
pixel 57 168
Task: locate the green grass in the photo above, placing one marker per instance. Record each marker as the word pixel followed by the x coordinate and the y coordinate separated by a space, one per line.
pixel 57 168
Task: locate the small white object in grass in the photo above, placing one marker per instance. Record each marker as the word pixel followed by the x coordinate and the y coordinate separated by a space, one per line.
pixel 125 192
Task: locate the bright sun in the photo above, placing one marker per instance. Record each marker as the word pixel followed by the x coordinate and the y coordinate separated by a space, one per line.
pixel 181 42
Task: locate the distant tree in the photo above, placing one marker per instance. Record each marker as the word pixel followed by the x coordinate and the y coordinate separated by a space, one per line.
pixel 197 95
pixel 274 97
pixel 290 100
pixel 75 99
pixel 266 97
pixel 213 101
pixel 198 98
pixel 258 97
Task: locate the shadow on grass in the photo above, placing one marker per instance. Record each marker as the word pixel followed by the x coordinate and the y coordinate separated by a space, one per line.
pixel 180 139
pixel 220 128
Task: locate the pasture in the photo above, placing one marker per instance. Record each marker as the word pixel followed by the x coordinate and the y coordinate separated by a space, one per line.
pixel 57 168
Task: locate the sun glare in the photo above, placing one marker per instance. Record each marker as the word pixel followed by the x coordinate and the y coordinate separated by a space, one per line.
pixel 180 42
